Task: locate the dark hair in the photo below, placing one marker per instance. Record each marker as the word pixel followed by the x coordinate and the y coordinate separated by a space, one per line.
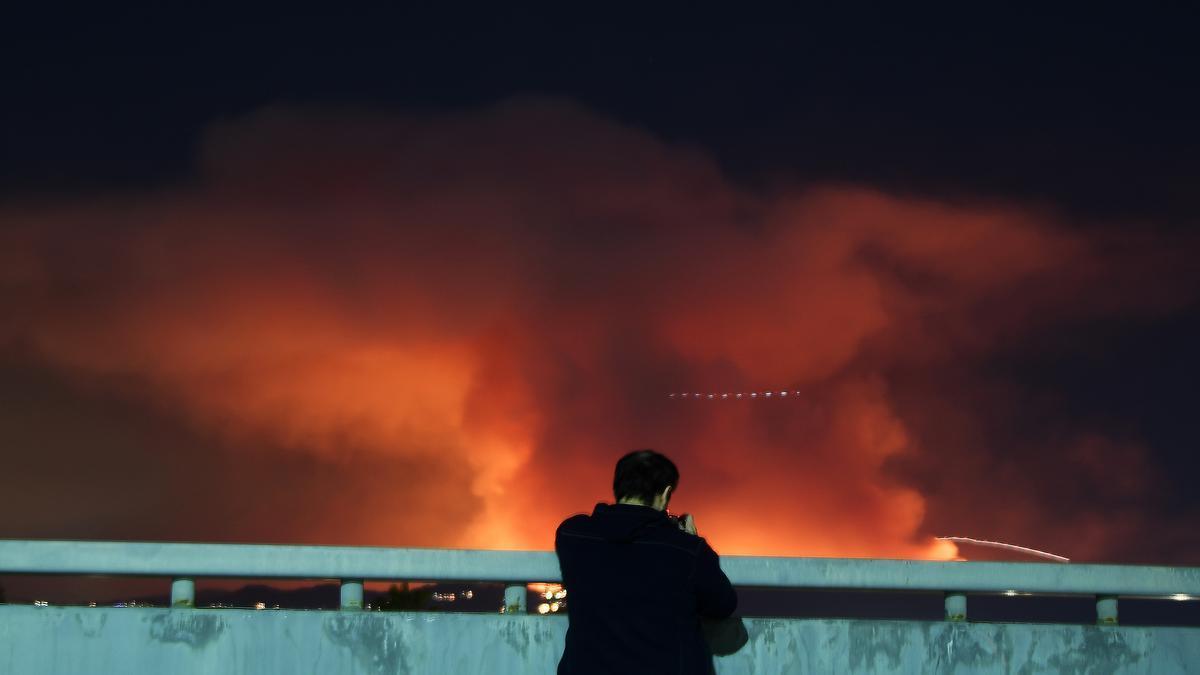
pixel 642 474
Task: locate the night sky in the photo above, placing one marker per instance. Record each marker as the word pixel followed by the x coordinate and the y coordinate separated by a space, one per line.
pixel 413 280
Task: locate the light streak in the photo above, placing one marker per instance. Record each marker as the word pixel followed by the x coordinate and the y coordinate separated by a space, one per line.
pixel 1007 547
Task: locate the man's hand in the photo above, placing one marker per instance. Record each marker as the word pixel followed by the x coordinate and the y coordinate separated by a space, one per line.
pixel 687 523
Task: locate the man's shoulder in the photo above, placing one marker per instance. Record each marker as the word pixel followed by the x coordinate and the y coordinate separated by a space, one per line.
pixel 578 523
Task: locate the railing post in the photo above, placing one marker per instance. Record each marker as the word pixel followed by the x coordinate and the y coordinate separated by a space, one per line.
pixel 956 606
pixel 514 599
pixel 1106 610
pixel 352 594
pixel 183 592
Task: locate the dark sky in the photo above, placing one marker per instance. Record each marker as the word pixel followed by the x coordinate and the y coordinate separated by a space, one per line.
pixel 1085 110
pixel 249 256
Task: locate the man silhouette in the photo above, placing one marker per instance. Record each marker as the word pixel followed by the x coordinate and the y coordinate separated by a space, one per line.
pixel 639 579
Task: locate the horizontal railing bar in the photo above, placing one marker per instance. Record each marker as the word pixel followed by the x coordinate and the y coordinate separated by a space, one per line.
pixel 265 561
pixel 376 563
pixel 982 577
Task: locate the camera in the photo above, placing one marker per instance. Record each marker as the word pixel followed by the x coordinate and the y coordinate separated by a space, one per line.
pixel 679 520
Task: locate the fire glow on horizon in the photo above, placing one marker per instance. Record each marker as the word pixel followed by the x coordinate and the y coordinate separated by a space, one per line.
pixel 487 307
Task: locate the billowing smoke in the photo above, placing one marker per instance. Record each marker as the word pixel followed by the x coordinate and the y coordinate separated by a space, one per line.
pixel 382 329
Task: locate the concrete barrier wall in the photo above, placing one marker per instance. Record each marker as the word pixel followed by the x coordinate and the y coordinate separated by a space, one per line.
pixel 102 641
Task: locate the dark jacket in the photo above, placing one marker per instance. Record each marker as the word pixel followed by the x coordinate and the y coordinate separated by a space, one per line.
pixel 637 588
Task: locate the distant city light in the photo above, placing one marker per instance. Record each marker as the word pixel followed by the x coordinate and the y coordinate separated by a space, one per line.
pixel 260 605
pixel 1182 596
pixel 553 594
pixel 439 596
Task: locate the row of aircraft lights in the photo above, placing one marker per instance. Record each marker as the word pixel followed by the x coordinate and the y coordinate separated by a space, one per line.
pixel 753 394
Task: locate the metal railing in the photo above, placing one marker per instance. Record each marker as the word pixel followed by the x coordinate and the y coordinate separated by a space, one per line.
pixel 352 565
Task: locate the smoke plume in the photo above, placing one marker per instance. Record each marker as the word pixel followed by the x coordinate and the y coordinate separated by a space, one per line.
pixel 374 328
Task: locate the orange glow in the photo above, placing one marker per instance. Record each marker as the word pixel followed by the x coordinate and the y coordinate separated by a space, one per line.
pixel 450 294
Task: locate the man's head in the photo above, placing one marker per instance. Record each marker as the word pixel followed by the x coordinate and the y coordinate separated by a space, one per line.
pixel 645 477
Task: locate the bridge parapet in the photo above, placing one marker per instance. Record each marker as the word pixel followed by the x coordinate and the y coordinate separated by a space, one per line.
pixel 184 639
pixel 352 565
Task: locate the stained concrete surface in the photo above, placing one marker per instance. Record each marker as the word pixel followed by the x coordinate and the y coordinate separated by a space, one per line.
pixel 104 640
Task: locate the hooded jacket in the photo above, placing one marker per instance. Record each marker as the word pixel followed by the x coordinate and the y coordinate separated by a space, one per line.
pixel 638 587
